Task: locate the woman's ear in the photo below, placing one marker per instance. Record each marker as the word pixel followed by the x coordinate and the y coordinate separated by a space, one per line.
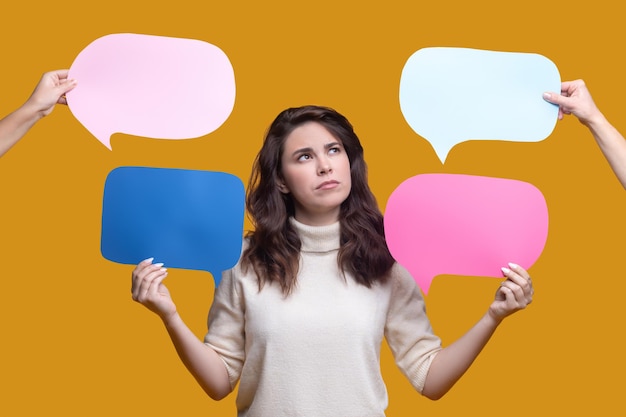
pixel 283 187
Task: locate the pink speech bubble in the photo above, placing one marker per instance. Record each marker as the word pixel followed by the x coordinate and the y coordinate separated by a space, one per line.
pixel 464 225
pixel 151 86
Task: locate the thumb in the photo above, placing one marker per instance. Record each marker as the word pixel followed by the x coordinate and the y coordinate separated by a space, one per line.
pixel 555 98
pixel 66 86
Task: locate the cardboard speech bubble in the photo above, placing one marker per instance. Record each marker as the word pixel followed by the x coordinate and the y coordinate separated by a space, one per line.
pixel 186 219
pixel 452 95
pixel 464 225
pixel 151 86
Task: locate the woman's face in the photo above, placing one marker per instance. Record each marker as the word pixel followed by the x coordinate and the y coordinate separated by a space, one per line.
pixel 316 173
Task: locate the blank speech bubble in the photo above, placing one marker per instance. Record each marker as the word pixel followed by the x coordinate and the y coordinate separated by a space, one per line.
pixel 184 218
pixel 464 225
pixel 151 86
pixel 451 95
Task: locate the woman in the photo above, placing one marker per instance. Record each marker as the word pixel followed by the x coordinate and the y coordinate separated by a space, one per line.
pixel 300 320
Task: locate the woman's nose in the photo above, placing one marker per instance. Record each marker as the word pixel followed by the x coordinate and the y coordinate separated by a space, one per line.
pixel 324 167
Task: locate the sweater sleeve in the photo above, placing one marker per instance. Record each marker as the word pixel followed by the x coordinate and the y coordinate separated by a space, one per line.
pixel 226 333
pixel 408 330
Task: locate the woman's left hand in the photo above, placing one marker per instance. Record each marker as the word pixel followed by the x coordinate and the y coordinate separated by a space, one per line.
pixel 514 293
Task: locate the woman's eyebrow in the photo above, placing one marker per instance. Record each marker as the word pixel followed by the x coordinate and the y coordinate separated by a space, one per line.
pixel 309 149
pixel 302 150
pixel 332 145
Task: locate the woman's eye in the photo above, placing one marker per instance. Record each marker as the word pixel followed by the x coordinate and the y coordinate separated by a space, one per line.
pixel 304 157
pixel 335 149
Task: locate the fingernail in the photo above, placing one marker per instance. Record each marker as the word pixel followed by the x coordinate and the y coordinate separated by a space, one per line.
pixel 512 265
pixel 505 270
pixel 148 260
pixel 160 264
pixel 546 95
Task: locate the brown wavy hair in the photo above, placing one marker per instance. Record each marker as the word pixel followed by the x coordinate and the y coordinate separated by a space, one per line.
pixel 274 245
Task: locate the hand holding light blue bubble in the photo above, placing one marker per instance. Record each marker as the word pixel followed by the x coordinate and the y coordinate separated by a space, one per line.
pixel 451 95
pixel 183 218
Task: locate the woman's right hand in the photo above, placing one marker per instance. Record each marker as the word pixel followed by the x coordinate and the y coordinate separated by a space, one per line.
pixel 148 289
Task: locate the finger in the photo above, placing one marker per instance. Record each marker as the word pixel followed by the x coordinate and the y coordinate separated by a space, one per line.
pixel 520 280
pixel 558 99
pixel 141 266
pixel 567 87
pixel 515 291
pixel 513 276
pixel 146 281
pixel 64 87
pixel 155 285
pixel 519 276
pixel 68 85
pixel 507 296
pixel 551 97
pixel 138 274
pixel 61 73
pixel 504 291
pixel 519 269
pixel 527 284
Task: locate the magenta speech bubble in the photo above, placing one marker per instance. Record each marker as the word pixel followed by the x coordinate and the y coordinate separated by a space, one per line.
pixel 464 225
pixel 151 86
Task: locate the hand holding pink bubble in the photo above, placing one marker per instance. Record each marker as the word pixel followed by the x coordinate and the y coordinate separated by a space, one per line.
pixel 515 293
pixel 151 86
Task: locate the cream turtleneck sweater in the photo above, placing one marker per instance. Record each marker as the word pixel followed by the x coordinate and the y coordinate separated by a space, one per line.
pixel 316 352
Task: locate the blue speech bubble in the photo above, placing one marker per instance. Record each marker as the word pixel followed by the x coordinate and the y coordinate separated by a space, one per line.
pixel 450 95
pixel 184 218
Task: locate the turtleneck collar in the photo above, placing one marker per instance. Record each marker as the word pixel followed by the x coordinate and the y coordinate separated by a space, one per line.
pixel 317 238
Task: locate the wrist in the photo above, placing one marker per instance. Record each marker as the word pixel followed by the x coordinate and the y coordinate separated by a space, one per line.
pixel 595 121
pixel 31 111
pixel 171 319
pixel 492 319
pixel 602 130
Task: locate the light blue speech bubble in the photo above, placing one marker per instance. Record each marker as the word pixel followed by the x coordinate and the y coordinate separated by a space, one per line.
pixel 451 95
pixel 184 218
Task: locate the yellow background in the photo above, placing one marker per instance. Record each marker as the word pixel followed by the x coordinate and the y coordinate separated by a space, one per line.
pixel 73 343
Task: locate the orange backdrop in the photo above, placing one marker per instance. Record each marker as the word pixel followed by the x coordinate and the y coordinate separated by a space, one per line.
pixel 75 344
